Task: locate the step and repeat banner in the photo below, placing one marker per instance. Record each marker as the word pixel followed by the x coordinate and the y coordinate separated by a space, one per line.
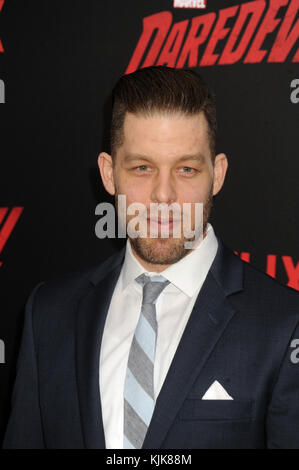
pixel 58 63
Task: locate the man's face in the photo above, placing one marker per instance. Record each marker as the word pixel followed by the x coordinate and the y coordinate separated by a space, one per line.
pixel 163 159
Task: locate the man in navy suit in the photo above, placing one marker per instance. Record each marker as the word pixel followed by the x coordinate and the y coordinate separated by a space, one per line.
pixel 160 346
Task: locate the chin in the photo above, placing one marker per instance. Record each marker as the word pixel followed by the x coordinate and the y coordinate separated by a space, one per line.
pixel 159 250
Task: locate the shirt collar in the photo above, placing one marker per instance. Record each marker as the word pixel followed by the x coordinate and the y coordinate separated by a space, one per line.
pixel 187 274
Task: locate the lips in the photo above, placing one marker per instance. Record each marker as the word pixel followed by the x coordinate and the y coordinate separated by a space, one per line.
pixel 163 223
pixel 159 221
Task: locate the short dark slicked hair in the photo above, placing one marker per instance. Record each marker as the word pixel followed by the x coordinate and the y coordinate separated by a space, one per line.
pixel 161 89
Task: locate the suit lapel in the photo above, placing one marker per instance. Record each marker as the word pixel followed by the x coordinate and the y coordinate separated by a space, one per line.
pixel 209 318
pixel 91 316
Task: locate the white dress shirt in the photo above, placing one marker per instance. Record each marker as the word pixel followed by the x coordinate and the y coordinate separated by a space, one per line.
pixel 173 307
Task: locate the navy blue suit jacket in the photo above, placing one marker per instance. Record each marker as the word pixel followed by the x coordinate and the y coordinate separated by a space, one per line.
pixel 239 333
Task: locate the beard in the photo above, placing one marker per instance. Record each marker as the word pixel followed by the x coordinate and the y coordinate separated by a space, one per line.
pixel 167 251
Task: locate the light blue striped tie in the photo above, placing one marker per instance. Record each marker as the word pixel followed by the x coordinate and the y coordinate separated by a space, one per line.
pixel 139 399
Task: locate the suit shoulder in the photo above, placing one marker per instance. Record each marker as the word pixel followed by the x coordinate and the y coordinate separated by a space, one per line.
pixel 252 283
pixel 70 287
pixel 268 300
pixel 263 281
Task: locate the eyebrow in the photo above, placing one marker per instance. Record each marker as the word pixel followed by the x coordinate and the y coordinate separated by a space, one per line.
pixel 195 157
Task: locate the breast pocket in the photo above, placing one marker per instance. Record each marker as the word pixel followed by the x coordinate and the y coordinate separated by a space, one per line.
pixel 216 410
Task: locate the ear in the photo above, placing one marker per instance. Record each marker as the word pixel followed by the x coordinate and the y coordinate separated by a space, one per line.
pixel 105 165
pixel 220 167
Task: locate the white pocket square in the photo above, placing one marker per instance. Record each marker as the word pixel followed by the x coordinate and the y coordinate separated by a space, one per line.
pixel 216 392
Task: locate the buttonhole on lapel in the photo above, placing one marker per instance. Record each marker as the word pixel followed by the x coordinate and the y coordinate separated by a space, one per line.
pixel 214 320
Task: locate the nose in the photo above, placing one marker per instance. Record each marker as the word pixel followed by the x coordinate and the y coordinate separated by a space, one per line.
pixel 164 188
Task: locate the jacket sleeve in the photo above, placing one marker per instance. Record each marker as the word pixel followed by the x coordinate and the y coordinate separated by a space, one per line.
pixel 283 412
pixel 24 430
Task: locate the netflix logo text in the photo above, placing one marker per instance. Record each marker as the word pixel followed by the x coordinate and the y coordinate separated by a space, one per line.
pixel 8 220
pixel 291 269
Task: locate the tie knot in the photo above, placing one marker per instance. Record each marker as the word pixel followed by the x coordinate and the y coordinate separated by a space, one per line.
pixel 152 287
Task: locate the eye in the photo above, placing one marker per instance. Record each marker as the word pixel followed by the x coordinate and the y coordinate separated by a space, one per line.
pixel 188 170
pixel 141 168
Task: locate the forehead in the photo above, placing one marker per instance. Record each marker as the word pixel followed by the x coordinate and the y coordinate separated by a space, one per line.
pixel 161 134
